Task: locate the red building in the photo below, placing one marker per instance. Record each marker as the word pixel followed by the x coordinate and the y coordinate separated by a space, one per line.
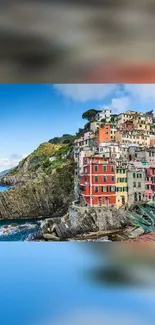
pixel 98 182
pixel 128 125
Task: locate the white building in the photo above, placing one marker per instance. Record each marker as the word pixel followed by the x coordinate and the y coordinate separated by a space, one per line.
pixel 104 114
pixel 110 150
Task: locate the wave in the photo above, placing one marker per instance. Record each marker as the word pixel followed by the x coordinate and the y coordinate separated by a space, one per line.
pixel 7 230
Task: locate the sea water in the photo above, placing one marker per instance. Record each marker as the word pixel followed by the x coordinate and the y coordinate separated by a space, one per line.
pixel 22 229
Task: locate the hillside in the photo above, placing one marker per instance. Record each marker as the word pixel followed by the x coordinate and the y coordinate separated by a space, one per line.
pixel 38 163
pixel 44 196
pixel 43 184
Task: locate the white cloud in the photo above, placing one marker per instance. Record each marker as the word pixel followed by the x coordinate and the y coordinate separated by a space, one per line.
pixel 10 162
pixel 144 92
pixel 119 105
pixel 85 92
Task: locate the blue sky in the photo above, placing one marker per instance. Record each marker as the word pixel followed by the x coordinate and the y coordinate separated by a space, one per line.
pixel 31 114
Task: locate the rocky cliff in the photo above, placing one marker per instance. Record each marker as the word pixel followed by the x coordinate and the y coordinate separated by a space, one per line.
pixel 46 195
pixel 43 184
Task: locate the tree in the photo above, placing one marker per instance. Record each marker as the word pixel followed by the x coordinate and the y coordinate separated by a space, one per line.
pixel 90 114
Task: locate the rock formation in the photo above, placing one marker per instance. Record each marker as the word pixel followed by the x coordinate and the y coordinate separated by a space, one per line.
pixel 84 221
pixel 46 195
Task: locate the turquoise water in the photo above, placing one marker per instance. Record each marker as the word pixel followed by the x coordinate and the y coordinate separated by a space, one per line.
pixel 25 227
pixel 3 188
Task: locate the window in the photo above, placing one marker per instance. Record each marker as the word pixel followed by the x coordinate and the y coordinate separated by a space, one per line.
pixel 112 188
pixel 104 178
pixel 96 168
pixel 134 184
pixel 139 184
pixel 96 178
pixel 96 188
pixel 134 175
pixel 112 178
pixel 121 189
pixel 104 168
pixel 140 175
pixel 104 188
pixel 112 168
pixel 135 196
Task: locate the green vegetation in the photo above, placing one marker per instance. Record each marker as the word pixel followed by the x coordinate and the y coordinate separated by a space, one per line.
pixel 89 115
pixel 103 120
pixel 48 165
pixel 81 132
pixel 65 139
pixel 12 171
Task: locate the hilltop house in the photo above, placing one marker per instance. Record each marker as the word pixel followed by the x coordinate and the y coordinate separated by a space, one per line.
pixel 104 114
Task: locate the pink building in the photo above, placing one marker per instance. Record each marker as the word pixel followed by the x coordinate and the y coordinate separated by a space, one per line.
pixel 148 183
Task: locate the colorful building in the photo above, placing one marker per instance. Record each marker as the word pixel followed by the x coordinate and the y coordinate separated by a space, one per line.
pixel 136 186
pixel 98 182
pixel 104 114
pixel 122 186
pixel 148 183
pixel 128 125
pixel 110 150
pixel 104 134
pixel 140 137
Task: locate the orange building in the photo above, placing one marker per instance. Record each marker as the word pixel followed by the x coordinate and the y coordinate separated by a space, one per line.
pixel 104 134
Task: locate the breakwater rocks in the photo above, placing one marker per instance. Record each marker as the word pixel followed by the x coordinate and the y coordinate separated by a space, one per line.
pixel 85 223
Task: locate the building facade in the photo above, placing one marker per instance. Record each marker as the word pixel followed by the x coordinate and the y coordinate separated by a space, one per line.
pixel 104 134
pixel 122 186
pixel 110 150
pixel 148 184
pixel 104 114
pixel 136 186
pixel 98 182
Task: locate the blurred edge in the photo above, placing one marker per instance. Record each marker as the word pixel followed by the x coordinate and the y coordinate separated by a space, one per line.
pixel 76 42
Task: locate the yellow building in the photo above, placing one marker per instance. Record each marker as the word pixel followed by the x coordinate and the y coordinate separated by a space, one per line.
pixel 141 124
pixel 121 187
pixel 113 130
pixel 139 137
